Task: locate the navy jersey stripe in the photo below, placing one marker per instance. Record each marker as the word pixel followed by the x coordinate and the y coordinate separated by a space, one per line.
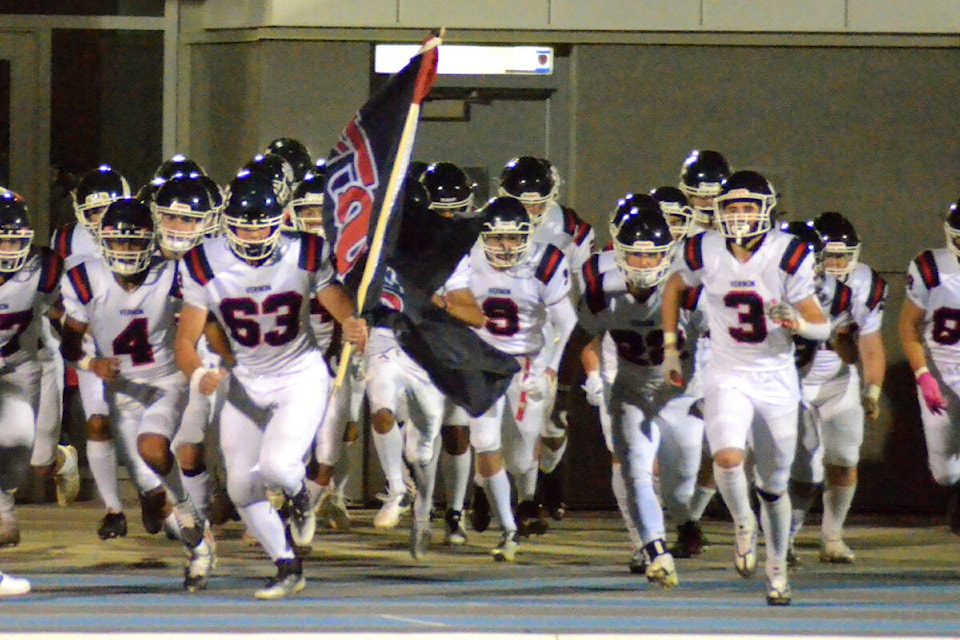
pixel 927 265
pixel 548 264
pixel 63 241
pixel 197 265
pixel 878 291
pixel 81 283
pixel 693 252
pixel 841 299
pixel 593 284
pixel 311 252
pixel 792 258
pixel 51 270
pixel 690 297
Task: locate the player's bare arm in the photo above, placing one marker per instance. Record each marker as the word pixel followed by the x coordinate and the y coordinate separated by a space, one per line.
pixel 461 305
pixel 338 302
pixel 873 363
pixel 193 321
pixel 670 319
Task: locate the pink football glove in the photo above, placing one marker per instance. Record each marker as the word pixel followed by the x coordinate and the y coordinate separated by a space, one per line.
pixel 931 393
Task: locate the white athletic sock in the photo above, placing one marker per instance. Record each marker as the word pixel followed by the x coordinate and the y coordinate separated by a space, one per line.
pixel 620 493
pixel 389 448
pixel 733 487
pixel 836 506
pixel 776 531
pixel 799 510
pixel 102 456
pixel 456 477
pixel 497 487
pixel 264 523
pixel 197 487
pixel 698 503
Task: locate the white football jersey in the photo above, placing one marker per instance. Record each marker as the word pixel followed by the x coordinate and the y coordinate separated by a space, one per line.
pixel 633 325
pixel 817 361
pixel 933 284
pixel 74 244
pixel 265 310
pixel 561 227
pixel 322 324
pixel 25 296
pixel 869 298
pixel 137 327
pixel 738 294
pixel 515 300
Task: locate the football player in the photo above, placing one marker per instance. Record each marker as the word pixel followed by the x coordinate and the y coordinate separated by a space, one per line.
pixel 31 284
pixel 758 283
pixel 927 326
pixel 128 300
pixel 523 288
pixel 258 284
pixel 77 242
pixel 701 177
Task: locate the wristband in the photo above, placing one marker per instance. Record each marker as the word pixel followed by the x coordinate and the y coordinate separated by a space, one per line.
pixel 197 375
pixel 669 338
pixel 919 372
pixel 84 363
pixel 872 392
pixel 819 331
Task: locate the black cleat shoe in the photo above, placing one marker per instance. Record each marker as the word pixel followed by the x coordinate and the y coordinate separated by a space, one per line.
pixel 455 533
pixel 689 540
pixel 480 512
pixel 113 525
pixel 151 510
pixel 529 522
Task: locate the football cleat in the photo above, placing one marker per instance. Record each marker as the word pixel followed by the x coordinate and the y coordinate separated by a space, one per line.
pixel 202 559
pixel 420 538
pixel 662 570
pixel 456 534
pixel 745 550
pixel 190 526
pixel 638 561
pixel 836 552
pixel 689 540
pixel 529 522
pixel 506 550
pixel 67 479
pixel 113 525
pixel 152 507
pixel 12 585
pixel 480 511
pixel 303 516
pixel 394 506
pixel 332 511
pixel 9 533
pixel 288 581
pixel 778 589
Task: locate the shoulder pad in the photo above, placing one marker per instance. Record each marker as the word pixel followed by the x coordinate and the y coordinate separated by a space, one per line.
pixel 197 265
pixel 796 251
pixel 693 252
pixel 593 284
pixel 878 290
pixel 80 281
pixel 927 266
pixel 549 264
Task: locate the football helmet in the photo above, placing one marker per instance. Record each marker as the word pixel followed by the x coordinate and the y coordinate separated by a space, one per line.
pixel 127 236
pixel 277 170
pixel 449 189
pixel 16 234
pixel 176 165
pixel 252 217
pixel 750 199
pixel 531 181
pixel 505 232
pixel 952 227
pixel 841 245
pixel 216 205
pixel 676 211
pixel 415 196
pixel 295 153
pixel 701 175
pixel 643 242
pixel 304 212
pixel 95 191
pixel 182 210
pixel 619 213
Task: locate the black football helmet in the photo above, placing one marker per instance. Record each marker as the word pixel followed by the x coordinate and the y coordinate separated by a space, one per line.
pixel 182 212
pixel 277 170
pixel 952 227
pixel 505 231
pixel 94 192
pixel 215 191
pixel 16 233
pixel 531 181
pixel 676 211
pixel 252 205
pixel 701 175
pixel 841 245
pixel 745 187
pixel 295 153
pixel 619 213
pixel 304 212
pixel 806 231
pixel 644 236
pixel 416 169
pixel 449 189
pixel 176 165
pixel 126 236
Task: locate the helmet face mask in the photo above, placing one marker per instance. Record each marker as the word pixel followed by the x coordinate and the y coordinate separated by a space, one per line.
pixel 701 180
pixel 505 234
pixel 841 251
pixel 182 212
pixel 252 218
pixel 95 191
pixel 304 212
pixel 744 208
pixel 126 235
pixel 643 242
pixel 16 234
pixel 676 211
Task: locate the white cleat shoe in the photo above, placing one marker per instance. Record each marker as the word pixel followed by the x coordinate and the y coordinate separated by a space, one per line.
pixel 506 551
pixel 67 479
pixel 200 566
pixel 12 585
pixel 394 506
pixel 778 589
pixel 745 550
pixel 836 552
pixel 303 515
pixel 288 581
pixel 663 571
